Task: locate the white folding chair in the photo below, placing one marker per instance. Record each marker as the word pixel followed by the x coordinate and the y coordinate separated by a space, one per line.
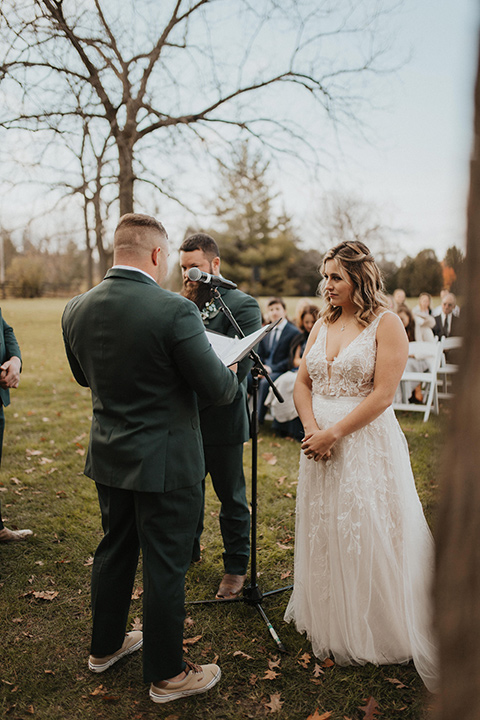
pixel 432 353
pixel 447 369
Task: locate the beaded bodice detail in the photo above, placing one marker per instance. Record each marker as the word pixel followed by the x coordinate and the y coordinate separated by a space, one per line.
pixel 351 372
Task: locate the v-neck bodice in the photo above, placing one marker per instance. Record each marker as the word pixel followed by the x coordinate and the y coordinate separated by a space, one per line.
pixel 352 371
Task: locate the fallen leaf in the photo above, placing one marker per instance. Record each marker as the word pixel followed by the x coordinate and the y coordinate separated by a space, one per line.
pixel 49 672
pixel 30 710
pixel 270 675
pixel 253 679
pixel 305 659
pixel 45 594
pixel 98 690
pixel 285 575
pixel 288 495
pixel 317 670
pixel 242 654
pixel 33 452
pixel 328 663
pixel 137 593
pixel 192 641
pixel 398 683
pixel 370 709
pixel 316 716
pixel 282 546
pixel 270 458
pixel 137 624
pixel 189 622
pixel 274 662
pixel 88 562
pixel 15 481
pixel 275 703
pixel 281 480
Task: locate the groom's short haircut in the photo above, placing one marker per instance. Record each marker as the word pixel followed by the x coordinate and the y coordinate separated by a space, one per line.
pixel 137 233
pixel 203 242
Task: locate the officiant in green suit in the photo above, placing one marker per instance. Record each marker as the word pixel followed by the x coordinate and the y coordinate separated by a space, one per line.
pixel 224 429
pixel 143 353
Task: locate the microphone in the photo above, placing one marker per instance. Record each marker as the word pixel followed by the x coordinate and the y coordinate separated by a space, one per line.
pixel 197 275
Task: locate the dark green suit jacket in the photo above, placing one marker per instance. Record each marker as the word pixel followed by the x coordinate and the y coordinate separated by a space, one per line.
pixel 143 352
pixel 229 424
pixel 8 348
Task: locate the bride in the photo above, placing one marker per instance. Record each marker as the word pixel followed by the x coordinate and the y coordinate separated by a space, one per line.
pixel 363 550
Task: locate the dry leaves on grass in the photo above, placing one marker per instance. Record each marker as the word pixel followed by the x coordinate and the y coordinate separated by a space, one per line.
pixel 191 641
pixel 137 593
pixel 275 704
pixel 270 675
pixel 42 594
pixel 274 662
pixel 270 458
pixel 370 709
pixel 317 716
pixel 239 653
pixel 304 660
pixel 398 683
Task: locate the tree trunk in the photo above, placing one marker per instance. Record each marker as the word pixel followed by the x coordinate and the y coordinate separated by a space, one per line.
pixel 457 591
pixel 125 177
pixel 88 247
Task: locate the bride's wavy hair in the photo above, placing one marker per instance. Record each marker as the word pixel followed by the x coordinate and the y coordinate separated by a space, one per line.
pixel 357 266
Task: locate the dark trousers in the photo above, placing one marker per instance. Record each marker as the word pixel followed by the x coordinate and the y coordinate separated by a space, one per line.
pixel 224 463
pixel 163 526
pixel 2 428
pixel 263 389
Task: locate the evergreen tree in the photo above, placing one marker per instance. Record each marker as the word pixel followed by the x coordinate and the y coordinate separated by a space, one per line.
pixel 258 246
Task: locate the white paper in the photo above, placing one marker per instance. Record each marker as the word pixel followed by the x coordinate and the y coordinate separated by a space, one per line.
pixel 232 350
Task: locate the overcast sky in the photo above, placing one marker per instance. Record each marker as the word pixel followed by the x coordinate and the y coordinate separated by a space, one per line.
pixel 416 170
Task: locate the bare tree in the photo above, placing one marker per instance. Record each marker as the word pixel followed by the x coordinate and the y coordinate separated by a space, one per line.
pixel 458 524
pixel 192 74
pixel 345 217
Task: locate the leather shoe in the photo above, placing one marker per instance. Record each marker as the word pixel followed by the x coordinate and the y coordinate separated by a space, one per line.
pixel 7 535
pixel 230 586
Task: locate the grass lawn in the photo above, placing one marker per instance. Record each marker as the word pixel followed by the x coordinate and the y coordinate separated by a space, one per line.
pixel 44 582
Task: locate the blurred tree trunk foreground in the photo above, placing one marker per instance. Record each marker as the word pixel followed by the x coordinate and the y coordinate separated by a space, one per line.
pixel 458 527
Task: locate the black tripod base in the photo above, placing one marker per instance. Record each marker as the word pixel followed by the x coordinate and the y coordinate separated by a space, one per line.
pixel 252 595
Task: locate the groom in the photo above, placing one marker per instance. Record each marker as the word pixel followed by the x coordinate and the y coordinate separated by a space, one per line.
pixel 144 355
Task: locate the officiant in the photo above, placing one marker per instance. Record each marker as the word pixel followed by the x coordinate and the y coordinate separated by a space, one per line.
pixel 225 429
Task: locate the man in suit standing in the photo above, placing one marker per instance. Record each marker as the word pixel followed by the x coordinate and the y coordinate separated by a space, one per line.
pixel 144 355
pixel 10 368
pixel 224 429
pixel 274 349
pixel 446 323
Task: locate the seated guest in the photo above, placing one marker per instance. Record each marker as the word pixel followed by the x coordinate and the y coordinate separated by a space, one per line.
pixel 307 320
pixel 416 362
pixel 424 320
pixel 446 323
pixel 399 296
pixel 438 310
pixel 285 417
pixel 274 349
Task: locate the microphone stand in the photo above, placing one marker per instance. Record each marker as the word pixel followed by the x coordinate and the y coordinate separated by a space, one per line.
pixel 252 594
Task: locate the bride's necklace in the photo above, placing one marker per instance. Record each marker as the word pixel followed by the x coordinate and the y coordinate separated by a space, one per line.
pixel 344 324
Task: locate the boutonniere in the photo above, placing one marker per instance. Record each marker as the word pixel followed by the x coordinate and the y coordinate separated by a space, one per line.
pixel 209 311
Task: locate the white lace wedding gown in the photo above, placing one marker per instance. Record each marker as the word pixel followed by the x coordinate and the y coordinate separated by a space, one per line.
pixel 363 550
